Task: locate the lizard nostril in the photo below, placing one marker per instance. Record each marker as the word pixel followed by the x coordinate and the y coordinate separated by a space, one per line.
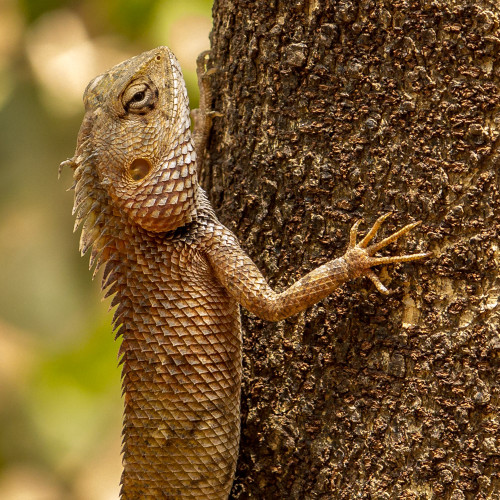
pixel 139 168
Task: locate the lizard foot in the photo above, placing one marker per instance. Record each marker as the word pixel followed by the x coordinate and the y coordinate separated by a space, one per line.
pixel 360 257
pixel 203 115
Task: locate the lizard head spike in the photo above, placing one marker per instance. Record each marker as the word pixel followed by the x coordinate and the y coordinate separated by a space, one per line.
pixel 136 128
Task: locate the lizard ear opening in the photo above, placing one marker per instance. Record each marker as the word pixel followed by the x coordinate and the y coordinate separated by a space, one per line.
pixel 139 168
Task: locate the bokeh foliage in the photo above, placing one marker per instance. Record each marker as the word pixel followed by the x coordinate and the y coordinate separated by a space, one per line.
pixel 60 408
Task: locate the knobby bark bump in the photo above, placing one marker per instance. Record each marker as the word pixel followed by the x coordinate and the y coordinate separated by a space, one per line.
pixel 339 110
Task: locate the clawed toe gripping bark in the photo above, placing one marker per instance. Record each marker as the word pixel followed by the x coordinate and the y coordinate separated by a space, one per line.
pixel 360 257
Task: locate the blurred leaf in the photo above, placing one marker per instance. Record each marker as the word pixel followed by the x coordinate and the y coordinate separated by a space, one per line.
pixel 62 414
pixel 74 394
pixel 128 17
pixel 91 365
pixel 32 10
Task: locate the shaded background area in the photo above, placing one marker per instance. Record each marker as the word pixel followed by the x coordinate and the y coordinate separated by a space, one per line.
pixel 60 407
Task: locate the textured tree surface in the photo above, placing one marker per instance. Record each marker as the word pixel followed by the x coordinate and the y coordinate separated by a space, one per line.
pixel 338 110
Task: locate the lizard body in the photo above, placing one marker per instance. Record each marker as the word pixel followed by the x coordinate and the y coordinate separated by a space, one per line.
pixel 177 277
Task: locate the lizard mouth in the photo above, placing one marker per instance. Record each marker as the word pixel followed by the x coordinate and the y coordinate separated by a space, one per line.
pixel 139 168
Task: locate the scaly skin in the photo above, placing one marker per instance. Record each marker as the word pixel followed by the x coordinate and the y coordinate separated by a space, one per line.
pixel 177 276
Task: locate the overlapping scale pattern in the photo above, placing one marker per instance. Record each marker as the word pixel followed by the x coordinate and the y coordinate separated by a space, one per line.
pixel 181 357
pixel 179 328
pixel 180 349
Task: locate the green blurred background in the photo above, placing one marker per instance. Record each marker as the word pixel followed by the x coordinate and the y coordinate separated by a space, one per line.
pixel 60 406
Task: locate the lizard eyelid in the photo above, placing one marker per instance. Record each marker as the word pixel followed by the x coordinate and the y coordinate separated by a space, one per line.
pixel 139 97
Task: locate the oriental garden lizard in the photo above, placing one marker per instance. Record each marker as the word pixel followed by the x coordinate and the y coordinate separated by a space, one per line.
pixel 177 277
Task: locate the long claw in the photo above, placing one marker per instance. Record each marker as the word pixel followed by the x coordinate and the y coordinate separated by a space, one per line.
pixel 376 261
pixel 353 234
pixel 360 257
pixel 70 162
pixel 209 72
pixel 393 237
pixel 376 281
pixel 373 231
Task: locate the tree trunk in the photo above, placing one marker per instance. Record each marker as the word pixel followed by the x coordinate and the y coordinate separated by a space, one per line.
pixel 340 110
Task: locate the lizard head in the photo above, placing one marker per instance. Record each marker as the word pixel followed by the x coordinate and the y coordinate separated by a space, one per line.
pixel 135 133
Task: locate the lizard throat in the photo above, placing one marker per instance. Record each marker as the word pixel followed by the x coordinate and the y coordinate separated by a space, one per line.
pixel 167 199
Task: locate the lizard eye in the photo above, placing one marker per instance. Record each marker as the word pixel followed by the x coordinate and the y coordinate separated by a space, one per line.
pixel 139 98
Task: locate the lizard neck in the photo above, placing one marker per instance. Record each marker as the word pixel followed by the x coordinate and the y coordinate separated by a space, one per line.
pixel 106 227
pixel 169 198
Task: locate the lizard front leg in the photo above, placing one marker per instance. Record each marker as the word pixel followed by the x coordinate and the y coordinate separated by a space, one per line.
pixel 241 278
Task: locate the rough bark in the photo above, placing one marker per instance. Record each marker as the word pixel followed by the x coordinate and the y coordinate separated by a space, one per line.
pixel 333 111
